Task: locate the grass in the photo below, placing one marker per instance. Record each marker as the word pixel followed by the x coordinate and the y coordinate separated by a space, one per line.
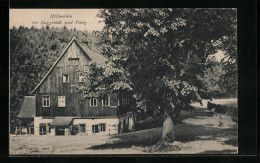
pixel 140 138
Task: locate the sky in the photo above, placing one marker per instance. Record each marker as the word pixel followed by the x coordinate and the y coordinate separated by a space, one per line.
pixel 81 19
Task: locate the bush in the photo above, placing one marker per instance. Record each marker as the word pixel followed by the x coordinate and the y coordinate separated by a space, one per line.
pixel 148 123
pixel 223 109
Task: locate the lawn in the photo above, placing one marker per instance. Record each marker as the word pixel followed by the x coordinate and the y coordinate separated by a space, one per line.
pixel 199 133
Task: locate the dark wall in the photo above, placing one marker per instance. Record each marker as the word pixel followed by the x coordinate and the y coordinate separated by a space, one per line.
pixel 53 86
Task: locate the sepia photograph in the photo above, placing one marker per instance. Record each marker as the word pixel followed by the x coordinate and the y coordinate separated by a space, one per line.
pixel 123 81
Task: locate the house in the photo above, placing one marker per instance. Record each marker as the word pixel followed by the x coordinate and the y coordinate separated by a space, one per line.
pixel 59 109
pixel 26 116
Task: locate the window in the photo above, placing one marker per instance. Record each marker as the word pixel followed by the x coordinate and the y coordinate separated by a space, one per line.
pixel 46 101
pixel 106 101
pixel 65 78
pixel 61 101
pixel 82 128
pixel 102 127
pixel 93 102
pixel 81 78
pixel 95 128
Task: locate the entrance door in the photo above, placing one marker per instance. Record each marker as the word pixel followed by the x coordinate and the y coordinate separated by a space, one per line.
pixel 32 130
pixel 60 130
pixel 42 128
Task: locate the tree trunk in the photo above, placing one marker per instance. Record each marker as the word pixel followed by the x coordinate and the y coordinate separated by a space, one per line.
pixel 167 126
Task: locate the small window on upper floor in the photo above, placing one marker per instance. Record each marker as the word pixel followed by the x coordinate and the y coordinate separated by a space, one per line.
pixel 93 102
pixel 61 101
pixel 106 101
pixel 65 78
pixel 81 78
pixel 46 101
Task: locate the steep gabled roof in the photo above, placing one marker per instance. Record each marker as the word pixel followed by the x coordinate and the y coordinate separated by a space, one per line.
pixel 93 56
pixel 28 107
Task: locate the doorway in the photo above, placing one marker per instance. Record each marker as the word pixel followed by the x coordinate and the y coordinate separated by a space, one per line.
pixel 42 128
pixel 60 130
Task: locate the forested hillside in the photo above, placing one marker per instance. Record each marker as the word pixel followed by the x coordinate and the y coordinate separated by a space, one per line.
pixel 32 53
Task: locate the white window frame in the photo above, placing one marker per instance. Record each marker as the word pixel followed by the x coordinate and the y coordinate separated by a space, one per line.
pixel 95 131
pixel 80 77
pixel 101 129
pixel 63 78
pixel 107 102
pixel 93 98
pixel 46 106
pixel 59 104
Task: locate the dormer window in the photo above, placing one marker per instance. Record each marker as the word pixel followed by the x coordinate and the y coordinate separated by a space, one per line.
pixel 65 78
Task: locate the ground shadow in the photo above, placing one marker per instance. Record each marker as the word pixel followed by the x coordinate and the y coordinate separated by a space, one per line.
pixel 199 112
pixel 183 133
pixel 228 151
pixel 189 132
pixel 127 140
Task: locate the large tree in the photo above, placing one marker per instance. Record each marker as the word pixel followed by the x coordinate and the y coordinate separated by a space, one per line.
pixel 159 55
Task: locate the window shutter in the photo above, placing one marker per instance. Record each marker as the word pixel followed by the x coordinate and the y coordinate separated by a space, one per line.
pixel 61 101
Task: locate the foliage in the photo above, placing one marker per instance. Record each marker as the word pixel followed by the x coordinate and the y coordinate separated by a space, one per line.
pixel 212 80
pixel 164 52
pixel 229 79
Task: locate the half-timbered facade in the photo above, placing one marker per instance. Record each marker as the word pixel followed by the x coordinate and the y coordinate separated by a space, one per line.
pixel 59 108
